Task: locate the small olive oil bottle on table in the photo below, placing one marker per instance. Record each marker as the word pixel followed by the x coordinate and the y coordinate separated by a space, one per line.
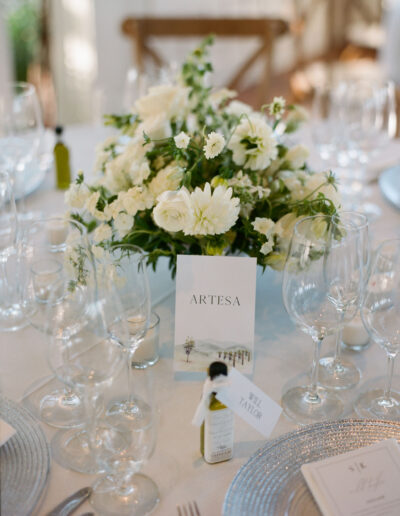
pixel 61 161
pixel 216 432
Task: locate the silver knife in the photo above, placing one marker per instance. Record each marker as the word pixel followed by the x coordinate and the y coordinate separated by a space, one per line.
pixel 68 506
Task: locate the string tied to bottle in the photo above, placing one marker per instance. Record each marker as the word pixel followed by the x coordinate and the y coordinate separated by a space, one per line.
pixel 210 385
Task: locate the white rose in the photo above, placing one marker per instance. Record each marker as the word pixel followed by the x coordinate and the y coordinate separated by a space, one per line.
pixel 213 213
pixel 101 233
pixel 297 156
pixel 162 104
pixel 173 210
pixel 123 224
pixel 182 140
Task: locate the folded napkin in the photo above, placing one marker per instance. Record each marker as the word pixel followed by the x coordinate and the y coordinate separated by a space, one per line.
pixel 6 431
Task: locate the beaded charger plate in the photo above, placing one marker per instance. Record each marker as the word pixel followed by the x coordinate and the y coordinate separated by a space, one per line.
pixel 271 482
pixel 24 462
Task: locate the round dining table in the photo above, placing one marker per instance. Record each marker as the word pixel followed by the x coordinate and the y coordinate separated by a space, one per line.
pixel 282 359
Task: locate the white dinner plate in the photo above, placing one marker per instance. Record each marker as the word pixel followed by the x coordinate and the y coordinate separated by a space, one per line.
pixel 389 182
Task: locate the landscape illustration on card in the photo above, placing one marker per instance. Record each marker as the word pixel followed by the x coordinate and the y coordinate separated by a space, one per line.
pixel 214 312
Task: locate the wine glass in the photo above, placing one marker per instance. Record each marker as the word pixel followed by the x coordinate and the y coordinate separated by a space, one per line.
pixel 86 356
pixel 21 131
pixel 127 267
pixel 350 255
pixel 52 249
pixel 123 490
pixel 381 316
pixel 11 314
pixel 368 112
pixel 306 288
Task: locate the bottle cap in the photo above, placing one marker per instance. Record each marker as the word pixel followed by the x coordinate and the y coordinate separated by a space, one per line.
pixel 216 369
pixel 59 130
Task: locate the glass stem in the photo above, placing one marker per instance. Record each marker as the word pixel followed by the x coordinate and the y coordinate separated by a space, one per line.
pixel 338 348
pixel 130 375
pixel 4 293
pixel 312 392
pixel 90 410
pixel 388 385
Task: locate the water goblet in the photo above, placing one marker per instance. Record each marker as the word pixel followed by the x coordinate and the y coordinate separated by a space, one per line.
pixel 123 490
pixel 350 258
pixel 129 277
pixel 12 316
pixel 52 249
pixel 86 357
pixel 380 313
pixel 306 288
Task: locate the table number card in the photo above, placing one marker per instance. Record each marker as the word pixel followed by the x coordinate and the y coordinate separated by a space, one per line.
pixel 363 482
pixel 214 312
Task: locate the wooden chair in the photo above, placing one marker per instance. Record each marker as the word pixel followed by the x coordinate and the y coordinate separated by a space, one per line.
pixel 267 30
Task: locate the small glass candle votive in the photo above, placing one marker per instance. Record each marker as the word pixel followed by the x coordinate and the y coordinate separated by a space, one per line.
pixel 147 352
pixel 354 335
pixel 45 274
pixel 57 233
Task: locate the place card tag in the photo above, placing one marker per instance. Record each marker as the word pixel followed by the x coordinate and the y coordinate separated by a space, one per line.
pixel 362 482
pixel 214 312
pixel 250 403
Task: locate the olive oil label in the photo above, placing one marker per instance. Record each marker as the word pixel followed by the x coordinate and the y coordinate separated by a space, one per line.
pixel 214 312
pixel 249 402
pixel 218 435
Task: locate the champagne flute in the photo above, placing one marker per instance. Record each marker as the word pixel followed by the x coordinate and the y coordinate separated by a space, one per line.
pixel 380 313
pixel 21 131
pixel 11 313
pixel 350 256
pixel 306 288
pixel 86 357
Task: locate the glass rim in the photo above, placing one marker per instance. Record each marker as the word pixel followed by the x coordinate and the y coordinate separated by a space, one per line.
pixel 153 315
pixel 362 225
pixel 386 243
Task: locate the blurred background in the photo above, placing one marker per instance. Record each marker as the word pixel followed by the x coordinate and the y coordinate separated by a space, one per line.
pixel 89 57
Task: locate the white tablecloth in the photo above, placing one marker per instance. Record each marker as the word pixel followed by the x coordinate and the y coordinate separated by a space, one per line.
pixel 282 353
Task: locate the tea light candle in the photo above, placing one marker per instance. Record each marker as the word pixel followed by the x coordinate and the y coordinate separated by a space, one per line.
pixel 45 273
pixel 135 323
pixel 57 232
pixel 354 334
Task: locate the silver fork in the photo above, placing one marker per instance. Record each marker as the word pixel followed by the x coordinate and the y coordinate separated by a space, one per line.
pixel 188 509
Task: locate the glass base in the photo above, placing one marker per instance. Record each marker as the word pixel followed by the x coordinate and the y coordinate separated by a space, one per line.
pixel 373 404
pixel 135 413
pixel 135 495
pixel 338 374
pixel 300 406
pixel 71 448
pixel 12 318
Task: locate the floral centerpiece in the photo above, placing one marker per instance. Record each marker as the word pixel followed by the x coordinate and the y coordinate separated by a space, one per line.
pixel 194 171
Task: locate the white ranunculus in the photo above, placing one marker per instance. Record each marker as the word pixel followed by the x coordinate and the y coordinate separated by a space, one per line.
pixel 77 195
pixel 263 225
pixel 252 144
pixel 238 108
pixel 112 209
pixel 173 210
pixel 297 156
pixel 182 140
pixel 169 178
pixel 134 200
pixel 161 105
pixel 213 212
pixel 215 144
pixel 123 224
pixel 101 233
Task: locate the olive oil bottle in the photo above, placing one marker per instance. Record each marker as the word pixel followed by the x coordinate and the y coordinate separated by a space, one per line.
pixel 216 432
pixel 61 161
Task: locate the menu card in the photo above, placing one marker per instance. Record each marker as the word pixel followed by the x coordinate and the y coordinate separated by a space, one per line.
pixel 363 482
pixel 214 312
